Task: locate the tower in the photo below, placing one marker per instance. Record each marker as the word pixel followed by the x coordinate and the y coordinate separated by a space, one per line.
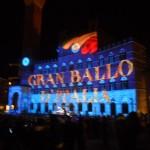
pixel 32 26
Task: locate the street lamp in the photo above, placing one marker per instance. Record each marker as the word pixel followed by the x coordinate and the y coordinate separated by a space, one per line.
pixel 9 83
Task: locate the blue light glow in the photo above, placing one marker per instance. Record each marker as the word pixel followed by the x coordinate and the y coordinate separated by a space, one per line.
pixel 47 66
pixel 25 61
pixel 39 67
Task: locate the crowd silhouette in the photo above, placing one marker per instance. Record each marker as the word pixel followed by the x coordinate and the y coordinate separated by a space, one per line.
pixel 55 132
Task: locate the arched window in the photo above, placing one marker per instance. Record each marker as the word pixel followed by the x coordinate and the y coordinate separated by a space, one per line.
pixel 124 83
pixel 55 67
pixel 71 107
pixel 31 106
pixel 112 84
pixel 71 87
pixel 89 107
pixel 63 105
pixel 71 65
pixel 63 86
pixel 125 108
pixel 46 107
pixel 102 108
pixel 55 87
pixel 111 58
pixel 40 69
pixel 46 69
pixel 79 107
pixel 80 86
pixel 79 64
pixel 54 106
pixel 122 54
pixel 15 100
pixel 89 63
pixel 90 86
pixel 38 107
pixel 102 85
pixel 64 68
pixel 113 108
pixel 101 60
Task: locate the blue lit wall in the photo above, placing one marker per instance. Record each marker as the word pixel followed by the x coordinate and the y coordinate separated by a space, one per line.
pixel 117 96
pixel 22 99
pixel 92 88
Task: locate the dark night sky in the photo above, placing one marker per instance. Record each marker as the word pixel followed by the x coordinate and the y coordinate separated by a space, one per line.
pixel 120 21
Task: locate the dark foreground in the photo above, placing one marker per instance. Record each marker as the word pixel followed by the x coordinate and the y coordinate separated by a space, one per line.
pixel 75 133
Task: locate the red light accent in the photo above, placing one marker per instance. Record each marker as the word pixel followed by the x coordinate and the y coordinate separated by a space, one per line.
pixel 90 46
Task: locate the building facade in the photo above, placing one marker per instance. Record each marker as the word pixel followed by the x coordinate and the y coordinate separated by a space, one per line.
pixel 86 80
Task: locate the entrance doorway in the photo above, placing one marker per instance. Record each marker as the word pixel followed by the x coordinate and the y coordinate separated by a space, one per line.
pixel 15 101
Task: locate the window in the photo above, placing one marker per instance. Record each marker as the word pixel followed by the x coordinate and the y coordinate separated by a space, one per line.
pixel 122 54
pixel 125 108
pixel 54 106
pixel 112 86
pixel 71 107
pixel 40 69
pixel 89 63
pixel 79 86
pixel 31 106
pixel 101 60
pixel 15 100
pixel 102 85
pixel 63 105
pixel 79 64
pixel 71 89
pixel 111 58
pixel 55 87
pixel 102 108
pixel 47 69
pixel 64 68
pixel 124 83
pixel 71 66
pixel 46 107
pixel 79 107
pixel 38 107
pixel 90 86
pixel 79 89
pixel 113 108
pixel 89 107
pixel 55 67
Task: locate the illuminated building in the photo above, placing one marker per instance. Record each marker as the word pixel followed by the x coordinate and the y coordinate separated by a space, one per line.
pixel 86 80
